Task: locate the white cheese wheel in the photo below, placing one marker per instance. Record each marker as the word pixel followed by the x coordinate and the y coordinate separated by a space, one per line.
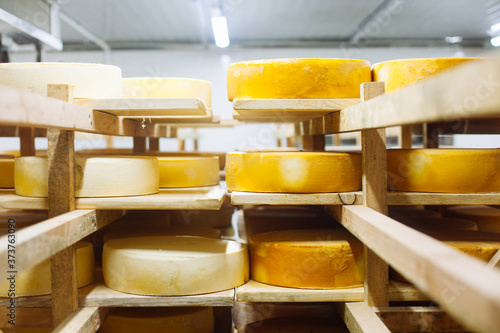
pixel 174 265
pixel 486 217
pixel 159 231
pixel 94 176
pixel 89 80
pixel 159 320
pixel 188 171
pixel 167 87
pixel 36 280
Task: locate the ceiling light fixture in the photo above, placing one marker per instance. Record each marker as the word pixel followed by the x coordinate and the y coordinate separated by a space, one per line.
pixel 219 26
pixel 495 41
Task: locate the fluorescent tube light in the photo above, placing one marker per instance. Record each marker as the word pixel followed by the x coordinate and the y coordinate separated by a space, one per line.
pixel 219 26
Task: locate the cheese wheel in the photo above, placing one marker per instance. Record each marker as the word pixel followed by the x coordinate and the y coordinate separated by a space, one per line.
pixel 397 212
pixel 401 73
pixel 36 280
pixel 444 170
pixel 7 172
pixel 296 172
pixel 174 265
pixel 486 217
pixel 159 320
pixel 94 176
pixel 297 78
pixel 168 87
pixel 295 325
pixel 437 223
pixel 89 80
pixel 313 258
pixel 158 231
pixel 188 171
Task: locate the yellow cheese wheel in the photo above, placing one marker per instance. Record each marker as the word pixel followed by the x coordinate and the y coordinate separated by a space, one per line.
pixel 7 172
pixel 158 231
pixel 401 73
pixel 297 78
pixel 89 80
pixel 312 258
pixel 168 87
pixel 36 280
pixel 295 325
pixel 188 171
pixel 94 176
pixel 295 172
pixel 437 223
pixel 174 265
pixel 444 170
pixel 159 320
pixel 486 217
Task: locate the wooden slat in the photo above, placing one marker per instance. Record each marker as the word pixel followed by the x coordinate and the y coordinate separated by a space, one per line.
pixel 27 135
pixel 360 318
pixel 495 261
pixel 249 198
pixel 416 198
pixel 406 138
pixel 154 144
pixel 139 145
pixel 84 320
pixel 462 285
pixel 417 319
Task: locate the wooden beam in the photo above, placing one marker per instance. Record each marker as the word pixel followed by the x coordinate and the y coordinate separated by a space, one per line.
pixel 431 135
pixel 27 135
pixel 360 318
pixel 307 142
pixel 84 320
pixel 495 261
pixel 139 145
pixel 318 143
pixel 465 287
pixel 154 144
pixel 406 138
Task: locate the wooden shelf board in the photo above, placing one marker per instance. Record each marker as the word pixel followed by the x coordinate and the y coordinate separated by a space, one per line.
pixel 254 291
pixel 208 198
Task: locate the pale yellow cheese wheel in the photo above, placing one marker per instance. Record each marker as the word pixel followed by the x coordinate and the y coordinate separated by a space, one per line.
pixel 444 170
pixel 7 172
pixel 401 73
pixel 297 78
pixel 89 80
pixel 312 258
pixel 174 265
pixel 94 176
pixel 159 320
pixel 294 172
pixel 168 87
pixel 159 231
pixel 295 325
pixel 486 217
pixel 36 280
pixel 188 171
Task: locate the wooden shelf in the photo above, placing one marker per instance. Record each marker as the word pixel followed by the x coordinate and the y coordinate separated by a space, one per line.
pixel 208 198
pixel 254 291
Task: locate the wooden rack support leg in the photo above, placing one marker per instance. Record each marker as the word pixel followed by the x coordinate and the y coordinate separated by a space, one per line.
pixel 61 200
pixel 27 136
pixel 406 139
pixel 374 158
pixel 139 144
pixel 154 144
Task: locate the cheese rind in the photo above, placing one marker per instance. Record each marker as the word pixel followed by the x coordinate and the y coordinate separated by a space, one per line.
pixel 36 280
pixel 6 172
pixel 401 73
pixel 159 320
pixel 297 78
pixel 188 171
pixel 168 87
pixel 313 258
pixel 94 176
pixel 295 172
pixel 444 170
pixel 89 80
pixel 487 218
pixel 170 265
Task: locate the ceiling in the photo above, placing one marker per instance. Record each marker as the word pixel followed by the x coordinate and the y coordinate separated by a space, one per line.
pixel 129 24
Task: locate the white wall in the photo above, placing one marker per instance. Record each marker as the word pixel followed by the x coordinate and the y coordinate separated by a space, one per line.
pixel 212 65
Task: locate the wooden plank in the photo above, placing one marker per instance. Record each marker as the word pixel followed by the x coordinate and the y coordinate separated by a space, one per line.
pixel 406 139
pixel 495 261
pixel 318 143
pixel 139 145
pixel 26 317
pixel 254 291
pixel 40 241
pixel 360 318
pixel 464 286
pixel 27 135
pixel 416 319
pixel 431 135
pixel 254 198
pixel 64 284
pixel 421 198
pixel 374 160
pixel 84 320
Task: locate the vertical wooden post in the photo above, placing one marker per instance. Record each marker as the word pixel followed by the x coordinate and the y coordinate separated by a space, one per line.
pixel 374 156
pixel 430 136
pixel 290 142
pixel 60 155
pixel 27 136
pixel 307 142
pixel 318 142
pixel 139 144
pixel 406 139
pixel 154 144
pixel 182 144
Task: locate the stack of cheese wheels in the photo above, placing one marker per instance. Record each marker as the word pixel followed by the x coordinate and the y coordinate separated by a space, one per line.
pixel 481 245
pixel 36 280
pixel 174 265
pixel 296 325
pixel 437 223
pixel 486 217
pixel 159 231
pixel 6 171
pixel 159 320
pixel 444 170
pixel 94 176
pixel 89 80
pixel 401 73
pixel 168 87
pixel 312 258
pixel 397 212
pixel 297 78
pixel 294 172
pixel 188 171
